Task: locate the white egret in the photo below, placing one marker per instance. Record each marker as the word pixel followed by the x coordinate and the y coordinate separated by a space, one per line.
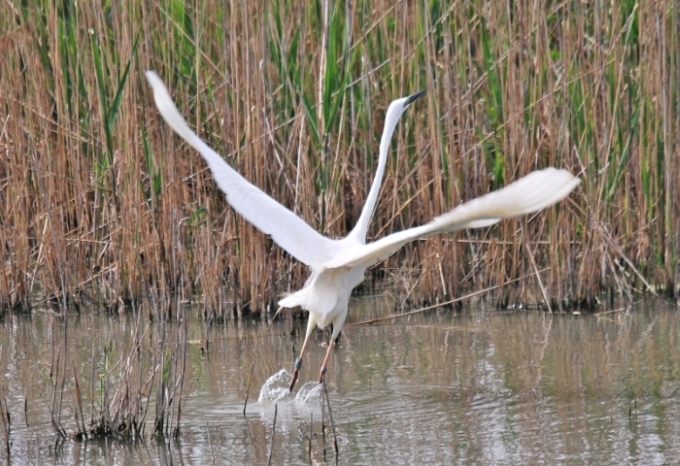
pixel 338 265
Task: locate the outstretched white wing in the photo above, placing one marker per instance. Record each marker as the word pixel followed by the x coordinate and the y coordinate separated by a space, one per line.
pixel 532 193
pixel 287 229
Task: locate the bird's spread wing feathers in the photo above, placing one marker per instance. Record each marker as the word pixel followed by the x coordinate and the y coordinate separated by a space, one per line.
pixel 532 193
pixel 287 229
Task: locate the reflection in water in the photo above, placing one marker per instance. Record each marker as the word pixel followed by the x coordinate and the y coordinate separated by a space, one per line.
pixel 474 387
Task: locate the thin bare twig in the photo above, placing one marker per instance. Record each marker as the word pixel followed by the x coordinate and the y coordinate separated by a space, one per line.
pixel 623 256
pixel 434 306
pixel 311 425
pixel 6 422
pixel 271 444
pixel 79 401
pixel 538 277
pixel 330 416
pixel 250 377
pixel 212 451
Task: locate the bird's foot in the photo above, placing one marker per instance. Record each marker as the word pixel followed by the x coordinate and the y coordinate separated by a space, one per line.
pixel 322 374
pixel 296 371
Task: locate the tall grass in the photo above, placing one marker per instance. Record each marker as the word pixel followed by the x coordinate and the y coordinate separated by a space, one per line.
pixel 99 201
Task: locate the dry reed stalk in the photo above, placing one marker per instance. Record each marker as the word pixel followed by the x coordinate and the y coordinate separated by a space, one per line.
pixel 271 441
pixel 330 416
pixel 311 433
pixel 78 413
pixel 7 425
pixel 100 201
pixel 121 389
pixel 250 377
pixel 443 304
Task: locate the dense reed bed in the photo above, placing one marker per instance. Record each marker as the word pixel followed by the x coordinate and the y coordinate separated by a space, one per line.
pixel 100 202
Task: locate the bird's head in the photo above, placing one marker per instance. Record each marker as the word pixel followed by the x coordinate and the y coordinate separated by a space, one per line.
pixel 398 106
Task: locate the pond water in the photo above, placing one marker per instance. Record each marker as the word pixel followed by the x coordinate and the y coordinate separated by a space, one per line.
pixel 468 387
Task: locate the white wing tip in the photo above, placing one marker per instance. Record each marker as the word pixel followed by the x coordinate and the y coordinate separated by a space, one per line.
pixel 155 81
pixel 151 75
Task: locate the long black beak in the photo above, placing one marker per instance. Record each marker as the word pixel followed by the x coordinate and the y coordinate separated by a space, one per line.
pixel 413 97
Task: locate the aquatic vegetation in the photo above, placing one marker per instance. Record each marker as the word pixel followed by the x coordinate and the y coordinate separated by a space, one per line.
pixel 292 95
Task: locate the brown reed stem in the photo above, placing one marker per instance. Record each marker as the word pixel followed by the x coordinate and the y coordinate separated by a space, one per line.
pixel 212 450
pixel 93 358
pixel 185 333
pixel 623 256
pixel 56 402
pixel 63 371
pixel 323 427
pixel 330 416
pixel 250 377
pixel 435 306
pixel 271 444
pixel 6 422
pixel 57 247
pixel 79 402
pixel 538 278
pixel 311 432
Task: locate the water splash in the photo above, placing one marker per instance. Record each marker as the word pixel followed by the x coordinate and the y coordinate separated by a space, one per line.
pixel 275 388
pixel 311 391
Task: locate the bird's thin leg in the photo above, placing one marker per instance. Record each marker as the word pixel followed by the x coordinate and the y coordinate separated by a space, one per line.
pixel 337 326
pixel 327 359
pixel 298 362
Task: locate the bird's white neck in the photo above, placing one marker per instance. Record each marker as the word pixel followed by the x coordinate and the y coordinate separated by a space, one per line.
pixel 360 230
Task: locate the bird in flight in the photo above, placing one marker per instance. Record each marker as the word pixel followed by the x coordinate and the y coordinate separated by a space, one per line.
pixel 338 265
